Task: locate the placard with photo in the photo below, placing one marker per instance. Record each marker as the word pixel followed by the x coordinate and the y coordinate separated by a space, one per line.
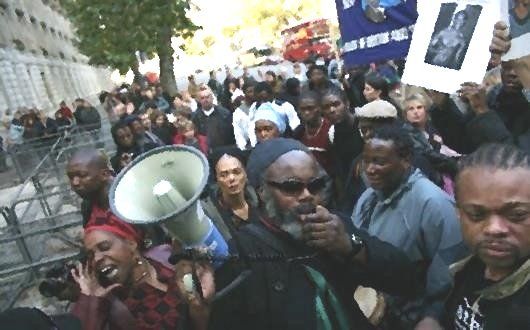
pixel 450 43
pixel 516 13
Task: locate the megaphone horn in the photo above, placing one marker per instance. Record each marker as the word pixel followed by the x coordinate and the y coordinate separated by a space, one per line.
pixel 163 186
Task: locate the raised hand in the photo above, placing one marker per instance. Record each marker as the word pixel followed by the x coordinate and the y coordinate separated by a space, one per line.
pixel 199 305
pixel 475 95
pixel 500 43
pixel 324 230
pixel 85 276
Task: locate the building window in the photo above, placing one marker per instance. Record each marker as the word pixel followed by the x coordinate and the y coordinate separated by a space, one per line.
pixel 43 25
pixel 19 13
pixel 3 8
pixel 44 51
pixel 19 44
pixel 33 20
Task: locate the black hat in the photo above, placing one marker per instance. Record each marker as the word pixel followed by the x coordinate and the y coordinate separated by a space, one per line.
pixel 265 153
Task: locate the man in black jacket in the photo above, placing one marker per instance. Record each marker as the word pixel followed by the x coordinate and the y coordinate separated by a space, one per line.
pixel 492 289
pixel 213 121
pixel 90 176
pixel 305 261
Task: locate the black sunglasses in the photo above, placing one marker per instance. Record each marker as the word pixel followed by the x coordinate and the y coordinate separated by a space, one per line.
pixel 295 187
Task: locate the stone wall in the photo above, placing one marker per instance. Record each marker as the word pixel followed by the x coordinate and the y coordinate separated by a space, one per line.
pixel 39 64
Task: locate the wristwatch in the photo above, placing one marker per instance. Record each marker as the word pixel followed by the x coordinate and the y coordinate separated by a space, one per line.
pixel 357 244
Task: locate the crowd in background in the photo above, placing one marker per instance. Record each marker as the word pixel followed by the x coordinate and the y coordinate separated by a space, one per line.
pixel 346 165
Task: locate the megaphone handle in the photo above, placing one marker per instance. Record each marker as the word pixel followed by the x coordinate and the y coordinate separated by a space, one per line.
pixel 196 281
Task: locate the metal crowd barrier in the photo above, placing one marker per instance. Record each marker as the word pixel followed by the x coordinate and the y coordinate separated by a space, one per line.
pixel 31 221
pixel 25 157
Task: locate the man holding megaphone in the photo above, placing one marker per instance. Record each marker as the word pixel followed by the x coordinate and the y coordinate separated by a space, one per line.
pixel 305 261
pixel 294 265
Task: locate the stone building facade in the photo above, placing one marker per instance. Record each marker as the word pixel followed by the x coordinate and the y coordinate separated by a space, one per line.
pixel 39 64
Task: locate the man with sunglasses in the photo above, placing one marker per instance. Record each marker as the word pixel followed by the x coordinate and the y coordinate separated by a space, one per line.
pixel 404 208
pixel 305 262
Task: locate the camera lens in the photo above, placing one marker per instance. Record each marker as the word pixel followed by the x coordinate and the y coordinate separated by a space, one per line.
pixel 51 288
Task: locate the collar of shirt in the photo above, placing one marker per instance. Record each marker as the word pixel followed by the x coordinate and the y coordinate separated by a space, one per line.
pixel 209 112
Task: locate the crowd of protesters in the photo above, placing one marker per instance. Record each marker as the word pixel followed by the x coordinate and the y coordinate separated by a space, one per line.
pixel 351 178
pixel 32 131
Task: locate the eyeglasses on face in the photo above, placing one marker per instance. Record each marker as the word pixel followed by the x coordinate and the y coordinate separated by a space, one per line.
pixel 296 187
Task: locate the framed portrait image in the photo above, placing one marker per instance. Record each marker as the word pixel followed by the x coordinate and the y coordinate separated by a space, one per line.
pixel 450 43
pixel 516 13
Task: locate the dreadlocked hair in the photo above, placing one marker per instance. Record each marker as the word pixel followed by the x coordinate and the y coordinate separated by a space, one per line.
pixel 498 156
pixel 494 156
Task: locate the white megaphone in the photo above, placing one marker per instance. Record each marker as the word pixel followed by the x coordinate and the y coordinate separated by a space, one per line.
pixel 163 187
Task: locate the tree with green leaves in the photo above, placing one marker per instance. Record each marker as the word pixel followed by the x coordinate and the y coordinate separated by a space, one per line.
pixel 111 32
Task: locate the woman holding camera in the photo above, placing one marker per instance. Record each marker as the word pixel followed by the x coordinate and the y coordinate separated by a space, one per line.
pixel 124 287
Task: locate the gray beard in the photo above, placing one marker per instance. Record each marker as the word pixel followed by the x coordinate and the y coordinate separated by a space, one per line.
pixel 288 221
pixel 294 229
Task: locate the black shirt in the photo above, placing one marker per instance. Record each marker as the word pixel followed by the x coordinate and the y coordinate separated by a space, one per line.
pixel 509 310
pixel 465 315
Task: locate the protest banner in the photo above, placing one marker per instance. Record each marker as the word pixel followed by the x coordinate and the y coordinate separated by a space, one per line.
pixel 375 30
pixel 450 44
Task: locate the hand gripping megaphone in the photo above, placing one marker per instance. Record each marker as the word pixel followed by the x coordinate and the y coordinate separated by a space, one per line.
pixel 163 187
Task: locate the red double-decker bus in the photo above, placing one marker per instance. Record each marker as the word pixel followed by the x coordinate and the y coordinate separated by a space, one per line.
pixel 307 41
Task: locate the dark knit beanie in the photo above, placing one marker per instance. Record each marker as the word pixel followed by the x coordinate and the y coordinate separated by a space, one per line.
pixel 266 153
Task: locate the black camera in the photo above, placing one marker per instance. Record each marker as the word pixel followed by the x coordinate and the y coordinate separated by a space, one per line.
pixel 60 283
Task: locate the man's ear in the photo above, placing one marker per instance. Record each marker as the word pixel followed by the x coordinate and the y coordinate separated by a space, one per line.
pixel 406 160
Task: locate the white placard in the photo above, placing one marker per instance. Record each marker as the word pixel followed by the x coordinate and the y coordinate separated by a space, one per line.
pixel 450 43
pixel 517 15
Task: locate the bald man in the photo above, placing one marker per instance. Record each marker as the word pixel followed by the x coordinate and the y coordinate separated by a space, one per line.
pixel 90 177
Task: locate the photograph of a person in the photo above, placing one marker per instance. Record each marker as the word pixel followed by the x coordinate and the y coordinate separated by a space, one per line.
pixel 452 34
pixel 519 17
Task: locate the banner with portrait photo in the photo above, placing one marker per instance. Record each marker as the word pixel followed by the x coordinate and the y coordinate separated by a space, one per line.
pixel 516 13
pixel 375 30
pixel 450 44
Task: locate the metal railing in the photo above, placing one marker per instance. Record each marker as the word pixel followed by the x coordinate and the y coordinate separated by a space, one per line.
pixel 26 157
pixel 32 221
